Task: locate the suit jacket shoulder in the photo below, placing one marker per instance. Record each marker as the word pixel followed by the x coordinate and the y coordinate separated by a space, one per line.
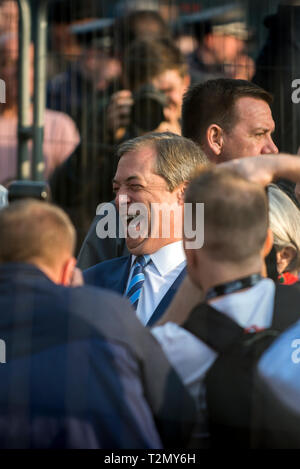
pixel 111 274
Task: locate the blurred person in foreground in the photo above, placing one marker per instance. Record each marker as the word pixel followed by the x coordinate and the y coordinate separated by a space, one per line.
pixel 229 272
pixel 72 376
pixel 263 170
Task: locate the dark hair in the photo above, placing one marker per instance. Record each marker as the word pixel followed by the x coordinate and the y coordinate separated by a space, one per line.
pixel 212 102
pixel 235 213
pixel 146 59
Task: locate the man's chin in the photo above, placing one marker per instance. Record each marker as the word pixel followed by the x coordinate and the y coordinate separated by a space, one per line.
pixel 136 246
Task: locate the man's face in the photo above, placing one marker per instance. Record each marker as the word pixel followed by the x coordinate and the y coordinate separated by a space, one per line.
pixel 224 48
pixel 252 133
pixel 173 85
pixel 135 178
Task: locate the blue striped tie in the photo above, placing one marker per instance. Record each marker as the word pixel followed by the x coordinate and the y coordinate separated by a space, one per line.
pixel 135 286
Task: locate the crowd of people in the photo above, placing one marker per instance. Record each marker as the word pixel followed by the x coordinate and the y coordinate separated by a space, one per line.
pixel 153 302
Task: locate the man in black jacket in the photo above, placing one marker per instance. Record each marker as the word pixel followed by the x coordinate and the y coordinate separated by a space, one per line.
pixel 78 369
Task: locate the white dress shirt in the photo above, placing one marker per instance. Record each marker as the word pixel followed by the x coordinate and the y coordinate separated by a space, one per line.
pixel 160 273
pixel 190 356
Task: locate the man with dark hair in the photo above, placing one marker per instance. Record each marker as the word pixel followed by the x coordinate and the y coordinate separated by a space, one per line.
pixel 73 377
pixel 229 119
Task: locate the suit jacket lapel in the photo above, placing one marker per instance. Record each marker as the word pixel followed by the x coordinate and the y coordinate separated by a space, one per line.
pixel 166 300
pixel 121 276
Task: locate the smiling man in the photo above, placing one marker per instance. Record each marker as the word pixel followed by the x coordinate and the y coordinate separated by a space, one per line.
pixel 149 184
pixel 228 119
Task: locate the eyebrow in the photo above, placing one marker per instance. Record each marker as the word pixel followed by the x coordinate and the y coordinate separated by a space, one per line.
pixel 130 178
pixel 265 129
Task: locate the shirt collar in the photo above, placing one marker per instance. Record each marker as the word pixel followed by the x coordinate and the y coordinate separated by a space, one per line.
pixel 167 258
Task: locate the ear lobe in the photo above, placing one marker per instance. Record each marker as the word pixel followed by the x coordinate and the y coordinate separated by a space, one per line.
pixel 181 193
pixel 214 137
pixel 67 271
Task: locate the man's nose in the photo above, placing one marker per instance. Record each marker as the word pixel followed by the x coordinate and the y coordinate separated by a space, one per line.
pixel 122 199
pixel 269 147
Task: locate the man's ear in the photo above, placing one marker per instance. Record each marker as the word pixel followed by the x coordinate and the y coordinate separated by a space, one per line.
pixel 181 192
pixel 267 244
pixel 215 140
pixel 67 271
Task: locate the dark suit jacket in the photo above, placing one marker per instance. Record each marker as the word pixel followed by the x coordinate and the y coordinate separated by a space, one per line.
pixel 81 371
pixel 95 250
pixel 113 275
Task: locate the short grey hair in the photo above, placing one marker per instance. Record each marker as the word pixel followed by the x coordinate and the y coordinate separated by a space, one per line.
pixel 284 221
pixel 177 157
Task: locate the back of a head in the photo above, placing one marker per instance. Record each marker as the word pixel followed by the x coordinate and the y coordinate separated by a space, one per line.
pixel 235 214
pixel 177 158
pixel 284 218
pixel 34 231
pixel 146 59
pixel 212 102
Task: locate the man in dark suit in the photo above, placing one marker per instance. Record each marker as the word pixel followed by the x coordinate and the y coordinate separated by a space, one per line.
pixel 149 184
pixel 78 370
pixel 221 116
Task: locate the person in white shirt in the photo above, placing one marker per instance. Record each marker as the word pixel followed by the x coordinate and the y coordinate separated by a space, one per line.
pixel 236 240
pixel 151 177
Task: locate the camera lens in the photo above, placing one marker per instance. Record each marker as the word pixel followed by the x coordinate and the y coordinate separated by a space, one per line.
pixel 148 108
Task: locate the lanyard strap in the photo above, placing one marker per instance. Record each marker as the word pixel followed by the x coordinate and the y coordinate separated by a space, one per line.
pixel 232 287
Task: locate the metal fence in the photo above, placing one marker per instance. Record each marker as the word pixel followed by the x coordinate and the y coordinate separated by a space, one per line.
pixel 64 88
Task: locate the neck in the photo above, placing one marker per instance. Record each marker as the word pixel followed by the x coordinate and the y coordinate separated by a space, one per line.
pixel 51 273
pixel 217 273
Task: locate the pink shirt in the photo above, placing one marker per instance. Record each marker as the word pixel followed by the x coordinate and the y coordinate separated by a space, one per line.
pixel 61 137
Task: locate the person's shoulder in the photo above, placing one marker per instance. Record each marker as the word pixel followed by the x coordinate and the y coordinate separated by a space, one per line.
pixel 106 266
pixel 87 301
pixel 58 118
